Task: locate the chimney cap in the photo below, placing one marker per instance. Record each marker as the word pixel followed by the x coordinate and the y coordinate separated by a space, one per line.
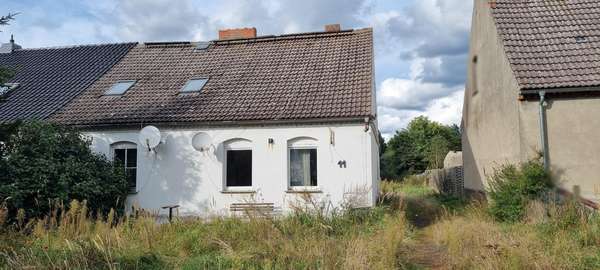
pixel 336 27
pixel 10 47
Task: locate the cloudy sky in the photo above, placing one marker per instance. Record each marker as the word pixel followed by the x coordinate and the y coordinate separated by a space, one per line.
pixel 420 45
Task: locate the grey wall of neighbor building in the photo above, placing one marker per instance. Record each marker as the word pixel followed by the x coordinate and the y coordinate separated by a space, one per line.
pixel 490 113
pixel 573 141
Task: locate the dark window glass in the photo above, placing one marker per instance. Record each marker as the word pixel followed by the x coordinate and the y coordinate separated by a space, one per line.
pixel 239 168
pixel 303 167
pixel 131 158
pixel 131 172
pixel 120 156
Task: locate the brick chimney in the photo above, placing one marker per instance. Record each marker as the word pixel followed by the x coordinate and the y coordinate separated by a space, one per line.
pixel 333 27
pixel 237 33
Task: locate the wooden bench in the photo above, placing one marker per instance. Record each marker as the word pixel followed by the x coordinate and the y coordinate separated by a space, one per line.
pixel 254 209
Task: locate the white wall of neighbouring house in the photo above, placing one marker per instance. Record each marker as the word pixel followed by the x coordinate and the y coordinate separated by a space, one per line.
pixel 177 174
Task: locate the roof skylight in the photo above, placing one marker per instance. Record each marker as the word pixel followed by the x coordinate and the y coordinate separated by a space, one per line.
pixel 194 85
pixel 7 88
pixel 119 88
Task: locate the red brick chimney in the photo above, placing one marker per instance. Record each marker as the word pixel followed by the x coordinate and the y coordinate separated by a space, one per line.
pixel 237 33
pixel 333 27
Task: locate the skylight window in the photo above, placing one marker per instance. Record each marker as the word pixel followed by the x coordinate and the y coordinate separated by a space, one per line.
pixel 119 88
pixel 7 88
pixel 194 85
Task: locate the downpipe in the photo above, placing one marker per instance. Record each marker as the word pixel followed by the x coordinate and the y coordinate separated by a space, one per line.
pixel 543 130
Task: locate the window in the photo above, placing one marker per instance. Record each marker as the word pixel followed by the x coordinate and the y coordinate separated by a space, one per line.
pixel 239 168
pixel 125 154
pixel 303 167
pixel 194 85
pixel 238 165
pixel 7 88
pixel 119 88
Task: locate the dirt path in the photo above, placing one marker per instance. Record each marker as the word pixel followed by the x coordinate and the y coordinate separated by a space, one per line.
pixel 424 253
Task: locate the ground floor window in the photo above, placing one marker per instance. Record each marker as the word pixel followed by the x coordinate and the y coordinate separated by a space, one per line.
pixel 303 167
pixel 125 155
pixel 239 168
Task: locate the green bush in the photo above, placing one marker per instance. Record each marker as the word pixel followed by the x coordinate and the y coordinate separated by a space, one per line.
pixel 44 165
pixel 512 188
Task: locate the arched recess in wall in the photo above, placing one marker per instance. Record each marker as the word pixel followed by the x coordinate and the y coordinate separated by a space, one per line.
pixel 125 153
pixel 302 141
pixel 238 165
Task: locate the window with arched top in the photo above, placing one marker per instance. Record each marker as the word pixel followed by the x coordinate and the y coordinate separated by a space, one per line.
pixel 302 162
pixel 125 154
pixel 238 163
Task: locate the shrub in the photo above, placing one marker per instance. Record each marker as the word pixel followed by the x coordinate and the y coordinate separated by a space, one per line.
pixel 512 188
pixel 44 165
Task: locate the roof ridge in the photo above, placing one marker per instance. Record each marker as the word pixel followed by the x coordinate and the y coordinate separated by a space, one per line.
pixel 76 46
pixel 316 34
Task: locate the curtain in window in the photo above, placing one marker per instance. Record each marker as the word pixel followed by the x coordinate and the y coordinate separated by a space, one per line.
pixel 303 167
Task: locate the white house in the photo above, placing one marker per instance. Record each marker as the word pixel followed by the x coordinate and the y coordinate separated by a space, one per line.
pixel 283 118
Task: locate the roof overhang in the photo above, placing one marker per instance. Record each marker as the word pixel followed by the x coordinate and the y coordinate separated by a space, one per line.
pixel 566 92
pixel 217 124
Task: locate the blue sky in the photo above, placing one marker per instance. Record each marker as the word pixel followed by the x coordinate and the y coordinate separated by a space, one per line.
pixel 420 45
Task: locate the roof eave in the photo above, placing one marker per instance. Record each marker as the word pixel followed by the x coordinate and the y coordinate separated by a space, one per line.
pixel 209 124
pixel 575 89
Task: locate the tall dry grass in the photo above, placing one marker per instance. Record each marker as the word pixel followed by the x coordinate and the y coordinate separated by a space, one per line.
pixel 366 239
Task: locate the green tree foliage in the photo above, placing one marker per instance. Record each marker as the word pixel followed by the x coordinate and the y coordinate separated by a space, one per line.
pixel 45 164
pixel 420 146
pixel 512 188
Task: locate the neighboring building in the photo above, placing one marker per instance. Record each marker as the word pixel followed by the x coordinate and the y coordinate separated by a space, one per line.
pixel 521 50
pixel 287 116
pixel 46 79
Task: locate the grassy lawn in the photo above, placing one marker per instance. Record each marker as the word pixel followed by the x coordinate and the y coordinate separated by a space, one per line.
pixel 412 228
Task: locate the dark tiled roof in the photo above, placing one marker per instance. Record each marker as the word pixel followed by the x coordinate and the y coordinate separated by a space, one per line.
pixel 49 78
pixel 551 43
pixel 290 77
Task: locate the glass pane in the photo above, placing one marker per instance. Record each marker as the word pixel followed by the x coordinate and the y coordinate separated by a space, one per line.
pixel 239 168
pixel 119 88
pixel 303 167
pixel 194 85
pixel 131 158
pixel 131 177
pixel 119 157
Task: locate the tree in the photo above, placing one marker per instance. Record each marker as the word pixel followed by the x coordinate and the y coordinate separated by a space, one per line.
pixel 421 145
pixel 44 164
pixel 5 73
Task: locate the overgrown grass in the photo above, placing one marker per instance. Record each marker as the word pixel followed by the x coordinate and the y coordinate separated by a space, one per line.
pixel 412 228
pixel 353 240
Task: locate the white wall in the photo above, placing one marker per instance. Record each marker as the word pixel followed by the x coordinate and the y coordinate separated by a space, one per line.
pixel 177 174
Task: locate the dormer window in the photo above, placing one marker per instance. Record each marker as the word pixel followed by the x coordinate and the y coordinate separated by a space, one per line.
pixel 7 88
pixel 194 85
pixel 119 88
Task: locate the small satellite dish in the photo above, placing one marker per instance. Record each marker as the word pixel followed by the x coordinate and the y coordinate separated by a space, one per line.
pixel 202 142
pixel 150 137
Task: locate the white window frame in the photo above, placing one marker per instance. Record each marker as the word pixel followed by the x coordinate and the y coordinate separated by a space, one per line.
pixel 205 79
pixel 127 146
pixel 302 143
pixel 237 145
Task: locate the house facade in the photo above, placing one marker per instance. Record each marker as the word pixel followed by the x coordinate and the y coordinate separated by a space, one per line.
pixel 533 91
pixel 287 121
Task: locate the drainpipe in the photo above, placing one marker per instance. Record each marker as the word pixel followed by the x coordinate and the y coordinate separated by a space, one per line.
pixel 543 134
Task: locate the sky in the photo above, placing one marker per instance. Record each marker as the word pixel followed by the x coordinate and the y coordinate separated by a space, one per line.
pixel 421 46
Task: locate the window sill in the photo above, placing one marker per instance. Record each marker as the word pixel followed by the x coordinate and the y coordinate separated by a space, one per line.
pixel 303 191
pixel 238 191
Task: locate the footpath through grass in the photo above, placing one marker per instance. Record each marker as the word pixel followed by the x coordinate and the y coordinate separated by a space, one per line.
pixel 412 228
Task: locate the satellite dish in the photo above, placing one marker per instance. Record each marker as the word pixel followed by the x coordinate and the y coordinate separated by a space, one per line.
pixel 150 137
pixel 202 142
